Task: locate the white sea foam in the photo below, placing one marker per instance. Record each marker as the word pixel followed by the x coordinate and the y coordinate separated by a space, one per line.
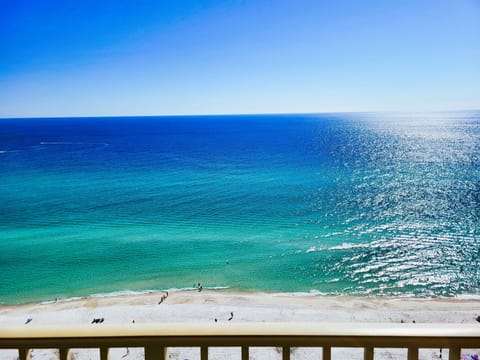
pixel 346 246
pixel 315 292
pixel 131 293
pixel 61 300
pixel 99 295
pixel 195 288
pixel 468 297
pixel 312 292
pixel 121 293
pixel 48 302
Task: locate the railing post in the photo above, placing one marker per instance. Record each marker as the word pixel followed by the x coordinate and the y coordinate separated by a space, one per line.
pixel 454 353
pixel 368 353
pixel 104 353
pixel 245 352
pixel 204 353
pixel 327 352
pixel 286 353
pixel 63 353
pixel 24 354
pixel 413 353
pixel 154 352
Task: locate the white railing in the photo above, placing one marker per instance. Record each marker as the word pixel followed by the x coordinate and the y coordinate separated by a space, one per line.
pixel 156 338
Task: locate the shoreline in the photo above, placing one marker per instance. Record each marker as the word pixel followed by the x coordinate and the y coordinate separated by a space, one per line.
pixel 208 305
pixel 239 292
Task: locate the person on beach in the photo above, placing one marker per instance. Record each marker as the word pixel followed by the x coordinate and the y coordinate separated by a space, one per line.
pixel 231 316
pixel 164 297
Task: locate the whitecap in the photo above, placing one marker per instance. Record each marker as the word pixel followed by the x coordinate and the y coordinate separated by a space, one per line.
pixel 347 246
pixel 312 249
pixel 71 143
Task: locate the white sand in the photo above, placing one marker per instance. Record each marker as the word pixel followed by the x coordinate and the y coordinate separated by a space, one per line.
pixel 205 306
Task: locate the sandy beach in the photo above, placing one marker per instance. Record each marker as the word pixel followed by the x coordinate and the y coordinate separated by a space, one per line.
pixel 206 306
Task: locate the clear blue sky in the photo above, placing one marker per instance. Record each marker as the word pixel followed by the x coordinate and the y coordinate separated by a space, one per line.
pixel 115 57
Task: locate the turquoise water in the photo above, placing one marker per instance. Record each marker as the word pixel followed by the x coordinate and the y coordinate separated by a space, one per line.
pixel 365 204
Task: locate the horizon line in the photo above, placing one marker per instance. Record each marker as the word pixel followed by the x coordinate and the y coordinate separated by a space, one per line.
pixel 241 114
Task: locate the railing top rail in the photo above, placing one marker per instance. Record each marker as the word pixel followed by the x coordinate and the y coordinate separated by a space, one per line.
pixel 32 331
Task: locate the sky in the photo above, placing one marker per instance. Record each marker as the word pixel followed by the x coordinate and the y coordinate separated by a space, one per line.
pixel 146 57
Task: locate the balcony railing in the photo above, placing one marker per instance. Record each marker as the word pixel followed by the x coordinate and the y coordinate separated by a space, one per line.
pixel 156 338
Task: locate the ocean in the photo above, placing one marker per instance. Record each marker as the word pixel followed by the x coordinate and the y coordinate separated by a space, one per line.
pixel 341 204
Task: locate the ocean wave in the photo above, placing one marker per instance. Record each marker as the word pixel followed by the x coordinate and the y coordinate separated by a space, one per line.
pixel 71 143
pixel 346 246
pixel 121 293
pixel 467 296
pixel 195 288
pixel 46 302
pixel 312 292
pixel 38 147
pixel 129 292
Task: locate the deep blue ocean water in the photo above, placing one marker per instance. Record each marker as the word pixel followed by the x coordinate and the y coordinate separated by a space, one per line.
pixel 364 204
